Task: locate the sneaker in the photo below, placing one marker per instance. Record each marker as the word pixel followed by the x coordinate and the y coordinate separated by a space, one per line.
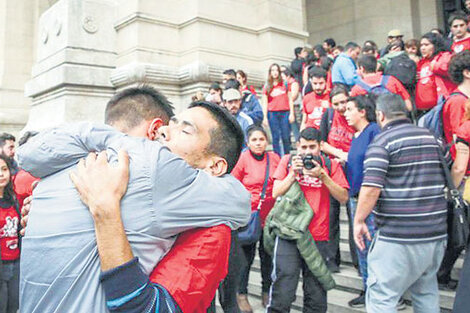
pixel 451 285
pixel 243 304
pixel 358 302
pixel 401 304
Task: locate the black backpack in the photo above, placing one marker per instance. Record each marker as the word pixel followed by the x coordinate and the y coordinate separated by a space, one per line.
pixel 402 68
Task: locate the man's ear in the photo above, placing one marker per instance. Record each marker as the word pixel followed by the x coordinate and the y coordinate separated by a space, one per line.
pixel 217 166
pixel 152 130
pixel 466 73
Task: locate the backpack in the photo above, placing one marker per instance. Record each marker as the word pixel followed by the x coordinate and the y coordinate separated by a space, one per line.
pixel 402 68
pixel 432 120
pixel 326 122
pixel 377 89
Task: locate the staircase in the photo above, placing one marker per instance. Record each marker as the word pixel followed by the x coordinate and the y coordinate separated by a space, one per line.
pixel 349 283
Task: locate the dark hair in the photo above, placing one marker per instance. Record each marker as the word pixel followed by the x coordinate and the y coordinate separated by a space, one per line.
pixel 368 62
pixel 8 193
pixel 26 136
pixel 367 103
pixel 437 41
pixel 255 128
pixel 440 31
pixel 320 50
pixel 232 84
pixel 134 105
pixel 310 133
pixel 297 51
pixel 459 63
pixel 317 72
pixel 227 139
pixel 351 45
pixel 242 74
pixel 412 43
pixel 230 72
pixel 338 89
pixel 270 83
pixel 459 15
pixel 215 86
pixel 288 71
pixel 370 43
pixel 4 137
pixel 396 43
pixel 330 42
pixel 367 49
pixel 340 48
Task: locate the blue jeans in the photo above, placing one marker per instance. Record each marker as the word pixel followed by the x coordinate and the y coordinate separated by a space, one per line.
pixel 9 287
pixel 280 129
pixel 362 254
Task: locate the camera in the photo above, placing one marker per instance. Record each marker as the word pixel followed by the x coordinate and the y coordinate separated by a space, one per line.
pixel 308 161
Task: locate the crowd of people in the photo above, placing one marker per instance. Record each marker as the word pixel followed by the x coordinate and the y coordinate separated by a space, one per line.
pixel 163 228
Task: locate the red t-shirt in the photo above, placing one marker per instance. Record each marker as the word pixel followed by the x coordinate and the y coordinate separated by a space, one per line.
pixel 278 99
pixel 313 108
pixel 463 132
pixel 251 89
pixel 452 115
pixel 341 134
pixel 194 267
pixel 251 173
pixel 9 221
pixel 23 185
pixel 461 45
pixel 393 85
pixel 317 195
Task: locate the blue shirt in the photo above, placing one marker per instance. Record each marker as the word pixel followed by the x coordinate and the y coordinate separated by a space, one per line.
pixel 60 266
pixel 344 70
pixel 251 106
pixel 356 154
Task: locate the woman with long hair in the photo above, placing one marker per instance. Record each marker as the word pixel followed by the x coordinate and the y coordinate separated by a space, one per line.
pixel 433 79
pixel 9 241
pixel 278 109
pixel 251 172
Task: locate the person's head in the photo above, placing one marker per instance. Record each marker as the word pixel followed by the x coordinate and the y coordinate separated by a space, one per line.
pixel 317 77
pixel 329 44
pixel 6 185
pixel 467 4
pixel 459 67
pixel 389 107
pixel 458 23
pixel 7 145
pixel 370 43
pixel 393 35
pixel 369 50
pixel 26 137
pixel 305 52
pixel 339 98
pixel 352 50
pixel 241 77
pixel 215 93
pixel 411 46
pixel 206 136
pixel 286 72
pixel 257 139
pixel 199 96
pixel 274 73
pixel 437 31
pixel 232 84
pixel 319 51
pixel 366 64
pixel 232 100
pixel 431 44
pixel 396 46
pixel 228 74
pixel 337 50
pixel 309 142
pixel 298 52
pixel 138 111
pixel 360 111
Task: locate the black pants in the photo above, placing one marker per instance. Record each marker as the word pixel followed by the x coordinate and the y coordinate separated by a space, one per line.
pixel 450 257
pixel 266 267
pixel 287 264
pixel 462 297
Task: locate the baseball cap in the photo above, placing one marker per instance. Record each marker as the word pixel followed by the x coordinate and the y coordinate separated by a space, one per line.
pixel 232 94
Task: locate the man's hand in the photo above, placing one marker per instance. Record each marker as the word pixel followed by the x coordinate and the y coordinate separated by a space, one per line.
pixel 361 230
pixel 297 165
pixel 317 171
pixel 25 213
pixel 291 117
pixel 101 185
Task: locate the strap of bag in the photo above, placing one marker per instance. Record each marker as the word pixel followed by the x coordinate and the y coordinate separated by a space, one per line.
pixel 265 184
pixel 454 192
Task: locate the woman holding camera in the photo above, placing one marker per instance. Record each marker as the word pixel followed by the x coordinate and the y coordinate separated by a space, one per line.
pixel 360 114
pixel 251 172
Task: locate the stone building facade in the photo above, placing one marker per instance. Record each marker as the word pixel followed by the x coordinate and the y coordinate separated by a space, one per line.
pixel 61 61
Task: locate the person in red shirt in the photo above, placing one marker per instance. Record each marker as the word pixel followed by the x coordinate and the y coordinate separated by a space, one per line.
pixel 315 103
pixel 251 171
pixel 9 241
pixel 458 23
pixel 367 70
pixel 317 185
pixel 433 79
pixel 243 80
pixel 278 109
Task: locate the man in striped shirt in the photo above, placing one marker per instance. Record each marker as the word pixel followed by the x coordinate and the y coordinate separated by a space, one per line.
pixel 404 186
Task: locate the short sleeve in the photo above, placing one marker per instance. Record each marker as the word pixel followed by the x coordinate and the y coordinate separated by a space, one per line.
pixel 282 170
pixel 375 166
pixel 337 175
pixel 463 132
